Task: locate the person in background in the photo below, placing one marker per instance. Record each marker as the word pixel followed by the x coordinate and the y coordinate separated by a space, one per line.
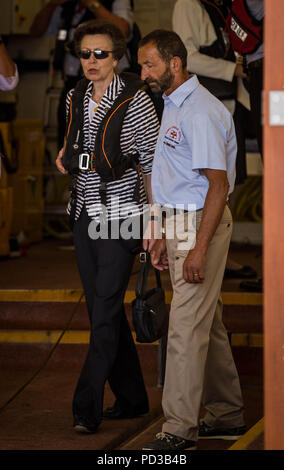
pixel 9 77
pixel 254 68
pixel 61 17
pixel 254 64
pixel 194 163
pixel 201 26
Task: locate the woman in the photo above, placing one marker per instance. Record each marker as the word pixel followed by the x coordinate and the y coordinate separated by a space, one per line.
pixel 105 264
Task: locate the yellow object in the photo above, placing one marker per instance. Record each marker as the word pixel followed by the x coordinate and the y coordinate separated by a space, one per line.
pixel 249 437
pixel 248 204
pixel 73 295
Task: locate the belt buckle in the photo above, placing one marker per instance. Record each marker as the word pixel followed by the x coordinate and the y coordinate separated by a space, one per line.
pixel 143 257
pixel 84 160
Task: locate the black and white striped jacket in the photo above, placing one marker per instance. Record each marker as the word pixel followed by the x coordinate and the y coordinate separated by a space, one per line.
pixel 139 134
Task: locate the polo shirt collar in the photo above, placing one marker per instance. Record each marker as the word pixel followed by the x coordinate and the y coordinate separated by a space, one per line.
pixel 183 91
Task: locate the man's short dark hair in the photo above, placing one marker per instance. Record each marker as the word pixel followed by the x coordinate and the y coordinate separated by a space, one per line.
pixel 93 27
pixel 168 43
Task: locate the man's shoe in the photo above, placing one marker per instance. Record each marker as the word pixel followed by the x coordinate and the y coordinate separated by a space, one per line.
pixel 115 412
pixel 246 272
pixel 252 286
pixel 83 426
pixel 227 434
pixel 167 441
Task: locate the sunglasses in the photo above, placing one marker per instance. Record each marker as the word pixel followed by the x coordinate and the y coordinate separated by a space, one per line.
pixel 98 54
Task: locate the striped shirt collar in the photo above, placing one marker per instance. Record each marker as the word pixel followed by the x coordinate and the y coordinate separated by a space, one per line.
pixel 111 92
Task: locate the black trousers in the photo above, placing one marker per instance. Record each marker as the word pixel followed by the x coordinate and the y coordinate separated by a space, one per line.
pixel 105 267
pixel 255 73
pixel 244 127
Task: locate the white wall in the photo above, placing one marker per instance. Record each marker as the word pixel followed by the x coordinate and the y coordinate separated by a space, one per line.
pixel 153 14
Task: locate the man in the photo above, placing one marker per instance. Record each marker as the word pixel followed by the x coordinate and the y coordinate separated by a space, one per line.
pixel 9 77
pixel 60 17
pixel 194 164
pixel 201 26
pixel 105 261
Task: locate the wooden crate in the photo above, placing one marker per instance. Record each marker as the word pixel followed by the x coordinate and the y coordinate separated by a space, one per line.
pixel 27 182
pixel 5 129
pixel 30 222
pixel 28 191
pixel 29 137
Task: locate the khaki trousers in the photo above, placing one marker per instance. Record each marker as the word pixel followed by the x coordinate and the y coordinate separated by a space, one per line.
pixel 199 365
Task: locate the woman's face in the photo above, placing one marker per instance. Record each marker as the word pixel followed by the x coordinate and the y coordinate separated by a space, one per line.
pixel 98 70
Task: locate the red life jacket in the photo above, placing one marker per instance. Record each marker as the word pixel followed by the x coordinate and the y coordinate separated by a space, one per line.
pixel 245 32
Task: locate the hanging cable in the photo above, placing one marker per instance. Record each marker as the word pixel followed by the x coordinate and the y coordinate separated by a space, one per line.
pixel 2 408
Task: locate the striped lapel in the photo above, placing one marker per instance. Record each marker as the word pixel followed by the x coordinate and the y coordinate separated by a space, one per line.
pixel 91 128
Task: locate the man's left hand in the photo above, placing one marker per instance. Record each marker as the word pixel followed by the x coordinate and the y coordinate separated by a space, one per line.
pixel 193 267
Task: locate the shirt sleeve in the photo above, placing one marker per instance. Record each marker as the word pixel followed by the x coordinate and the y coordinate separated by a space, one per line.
pixel 9 83
pixel 68 102
pixel 142 118
pixel 208 138
pixel 192 23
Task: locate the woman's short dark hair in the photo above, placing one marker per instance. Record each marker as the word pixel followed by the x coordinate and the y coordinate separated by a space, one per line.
pixel 93 27
pixel 168 43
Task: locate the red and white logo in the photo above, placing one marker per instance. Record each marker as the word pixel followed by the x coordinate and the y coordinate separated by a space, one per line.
pixel 173 136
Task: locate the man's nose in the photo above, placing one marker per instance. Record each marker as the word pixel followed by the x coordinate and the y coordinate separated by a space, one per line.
pixel 144 74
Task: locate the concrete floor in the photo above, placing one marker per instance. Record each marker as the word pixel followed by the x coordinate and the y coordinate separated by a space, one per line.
pixel 40 416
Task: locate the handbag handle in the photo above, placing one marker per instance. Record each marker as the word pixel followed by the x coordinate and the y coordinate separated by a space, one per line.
pixel 141 285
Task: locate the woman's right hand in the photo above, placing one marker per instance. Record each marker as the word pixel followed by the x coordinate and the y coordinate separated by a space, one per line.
pixel 159 255
pixel 58 162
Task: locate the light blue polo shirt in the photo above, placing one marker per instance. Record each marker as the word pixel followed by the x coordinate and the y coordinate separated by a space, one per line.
pixel 197 131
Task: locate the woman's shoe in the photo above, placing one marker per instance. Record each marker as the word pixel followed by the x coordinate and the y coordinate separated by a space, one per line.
pixel 83 426
pixel 115 412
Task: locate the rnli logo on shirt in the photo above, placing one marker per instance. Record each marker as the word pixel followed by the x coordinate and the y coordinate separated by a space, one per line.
pixel 173 137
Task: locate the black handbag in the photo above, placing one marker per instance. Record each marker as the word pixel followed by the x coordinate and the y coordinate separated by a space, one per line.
pixel 150 315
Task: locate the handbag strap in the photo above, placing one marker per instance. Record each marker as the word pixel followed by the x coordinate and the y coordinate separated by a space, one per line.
pixel 141 284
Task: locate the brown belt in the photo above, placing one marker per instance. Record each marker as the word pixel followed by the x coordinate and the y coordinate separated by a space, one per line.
pixel 181 211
